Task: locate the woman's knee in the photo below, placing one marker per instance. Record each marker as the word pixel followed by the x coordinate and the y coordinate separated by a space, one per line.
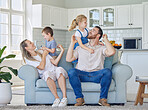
pixel 72 72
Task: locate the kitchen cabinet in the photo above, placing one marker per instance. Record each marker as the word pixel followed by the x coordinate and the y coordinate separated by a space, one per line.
pixel 55 17
pixel 145 26
pixel 129 16
pixel 64 18
pixel 45 15
pixel 102 16
pixel 40 15
pixel 73 13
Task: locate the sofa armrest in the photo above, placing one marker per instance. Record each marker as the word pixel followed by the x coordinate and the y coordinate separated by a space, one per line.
pixel 29 74
pixel 121 73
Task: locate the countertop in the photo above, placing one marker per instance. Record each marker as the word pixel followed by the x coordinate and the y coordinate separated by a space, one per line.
pixel 133 49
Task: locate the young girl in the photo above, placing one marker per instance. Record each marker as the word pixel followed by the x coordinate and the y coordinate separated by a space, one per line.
pixel 82 32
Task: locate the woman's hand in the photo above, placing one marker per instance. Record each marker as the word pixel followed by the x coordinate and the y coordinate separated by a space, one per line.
pixel 44 48
pixel 45 53
pixel 61 47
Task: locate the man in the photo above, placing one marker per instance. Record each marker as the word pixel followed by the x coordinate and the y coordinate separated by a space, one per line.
pixel 90 67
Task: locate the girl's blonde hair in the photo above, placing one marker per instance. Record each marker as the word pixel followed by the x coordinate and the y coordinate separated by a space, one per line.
pixel 25 53
pixel 75 22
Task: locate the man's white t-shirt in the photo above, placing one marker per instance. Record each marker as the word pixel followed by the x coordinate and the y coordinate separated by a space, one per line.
pixel 90 62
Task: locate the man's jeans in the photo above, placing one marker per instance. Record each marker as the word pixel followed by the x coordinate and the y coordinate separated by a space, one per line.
pixel 103 77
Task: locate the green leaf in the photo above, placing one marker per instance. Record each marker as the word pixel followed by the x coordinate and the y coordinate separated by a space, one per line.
pixel 13 70
pixel 5 76
pixel 9 56
pixel 2 50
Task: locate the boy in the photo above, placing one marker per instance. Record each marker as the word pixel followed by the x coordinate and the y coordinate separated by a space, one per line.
pixel 50 43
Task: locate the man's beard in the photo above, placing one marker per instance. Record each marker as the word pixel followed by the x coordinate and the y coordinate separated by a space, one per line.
pixel 91 37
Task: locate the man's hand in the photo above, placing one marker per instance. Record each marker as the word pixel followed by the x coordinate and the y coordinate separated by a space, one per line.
pixel 73 39
pixel 104 37
pixel 101 43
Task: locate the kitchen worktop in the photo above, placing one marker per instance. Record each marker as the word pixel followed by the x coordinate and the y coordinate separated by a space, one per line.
pixel 133 49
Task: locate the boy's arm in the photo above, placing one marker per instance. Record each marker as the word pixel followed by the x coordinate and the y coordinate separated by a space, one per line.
pixel 83 46
pixel 49 50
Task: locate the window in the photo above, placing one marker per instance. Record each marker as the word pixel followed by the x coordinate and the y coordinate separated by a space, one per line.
pixel 12 25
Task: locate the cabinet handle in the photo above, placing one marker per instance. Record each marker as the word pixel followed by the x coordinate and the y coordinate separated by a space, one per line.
pixel 52 24
pixel 131 24
pixel 67 26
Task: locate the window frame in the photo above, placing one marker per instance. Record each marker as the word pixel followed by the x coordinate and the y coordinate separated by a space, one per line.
pixel 11 12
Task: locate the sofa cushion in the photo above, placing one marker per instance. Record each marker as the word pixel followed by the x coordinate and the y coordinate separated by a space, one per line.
pixel 86 86
pixel 63 63
pixel 108 62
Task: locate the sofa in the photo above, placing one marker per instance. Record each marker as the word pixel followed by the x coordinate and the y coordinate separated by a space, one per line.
pixel 37 92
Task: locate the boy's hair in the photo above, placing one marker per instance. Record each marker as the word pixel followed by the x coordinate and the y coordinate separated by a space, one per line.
pixel 47 30
pixel 99 31
pixel 75 22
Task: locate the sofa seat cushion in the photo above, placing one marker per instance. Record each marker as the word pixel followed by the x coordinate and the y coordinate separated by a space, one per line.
pixel 40 83
pixel 86 86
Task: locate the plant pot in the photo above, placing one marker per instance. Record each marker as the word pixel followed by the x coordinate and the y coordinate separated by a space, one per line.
pixel 5 94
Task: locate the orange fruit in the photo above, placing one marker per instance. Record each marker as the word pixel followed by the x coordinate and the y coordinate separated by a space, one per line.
pixel 113 44
pixel 120 44
pixel 116 44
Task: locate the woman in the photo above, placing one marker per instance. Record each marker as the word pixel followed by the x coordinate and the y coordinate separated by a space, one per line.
pixel 47 68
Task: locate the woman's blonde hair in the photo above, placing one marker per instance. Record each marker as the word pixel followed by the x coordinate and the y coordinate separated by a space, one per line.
pixel 75 22
pixel 25 53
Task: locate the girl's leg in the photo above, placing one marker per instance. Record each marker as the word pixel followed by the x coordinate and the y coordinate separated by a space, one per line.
pixel 52 86
pixel 62 85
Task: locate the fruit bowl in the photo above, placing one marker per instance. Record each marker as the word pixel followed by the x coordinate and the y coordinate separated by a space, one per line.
pixel 117 47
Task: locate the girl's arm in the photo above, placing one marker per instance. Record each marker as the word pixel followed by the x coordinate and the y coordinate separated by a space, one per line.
pixel 83 46
pixel 43 62
pixel 56 61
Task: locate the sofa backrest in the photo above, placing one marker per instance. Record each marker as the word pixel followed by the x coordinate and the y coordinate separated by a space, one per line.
pixel 109 61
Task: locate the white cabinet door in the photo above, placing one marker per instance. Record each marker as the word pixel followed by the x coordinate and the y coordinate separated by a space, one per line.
pixel 71 16
pixel 46 16
pixel 145 26
pixel 94 17
pixel 136 15
pixel 64 18
pixel 108 17
pixel 40 15
pixel 123 16
pixel 55 17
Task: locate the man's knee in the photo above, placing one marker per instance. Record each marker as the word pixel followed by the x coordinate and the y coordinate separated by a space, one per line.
pixel 72 72
pixel 108 72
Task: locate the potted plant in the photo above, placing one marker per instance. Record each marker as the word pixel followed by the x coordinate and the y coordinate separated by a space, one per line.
pixel 5 87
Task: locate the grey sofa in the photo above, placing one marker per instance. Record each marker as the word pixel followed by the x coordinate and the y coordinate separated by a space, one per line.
pixel 37 92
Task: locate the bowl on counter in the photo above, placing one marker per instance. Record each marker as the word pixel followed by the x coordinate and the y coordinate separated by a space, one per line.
pixel 117 47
